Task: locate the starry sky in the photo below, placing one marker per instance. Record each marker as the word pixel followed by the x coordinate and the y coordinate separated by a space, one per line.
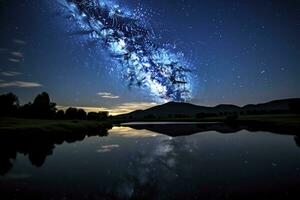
pixel 241 52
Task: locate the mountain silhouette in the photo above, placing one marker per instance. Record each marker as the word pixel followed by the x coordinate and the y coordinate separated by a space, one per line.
pixel 181 110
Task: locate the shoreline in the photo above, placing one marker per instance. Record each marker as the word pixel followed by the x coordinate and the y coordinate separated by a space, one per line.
pixel 20 125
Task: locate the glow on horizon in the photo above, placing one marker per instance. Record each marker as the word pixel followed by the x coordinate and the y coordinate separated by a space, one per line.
pixel 115 110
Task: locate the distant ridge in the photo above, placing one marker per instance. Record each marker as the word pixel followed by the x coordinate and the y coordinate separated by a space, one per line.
pixel 181 110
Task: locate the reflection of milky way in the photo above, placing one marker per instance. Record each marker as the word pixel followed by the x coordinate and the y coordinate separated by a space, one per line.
pixel 150 169
pixel 130 42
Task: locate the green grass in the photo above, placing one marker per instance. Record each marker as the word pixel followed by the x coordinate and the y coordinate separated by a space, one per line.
pixel 58 126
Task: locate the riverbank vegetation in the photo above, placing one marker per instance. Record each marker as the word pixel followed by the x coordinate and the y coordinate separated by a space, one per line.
pixel 41 115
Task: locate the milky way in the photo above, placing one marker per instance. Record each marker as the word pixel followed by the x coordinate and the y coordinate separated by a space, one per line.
pixel 164 74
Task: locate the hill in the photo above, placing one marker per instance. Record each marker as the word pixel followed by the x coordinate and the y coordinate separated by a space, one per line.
pixel 173 110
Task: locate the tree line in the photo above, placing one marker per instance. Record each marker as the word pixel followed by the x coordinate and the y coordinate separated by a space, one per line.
pixel 43 108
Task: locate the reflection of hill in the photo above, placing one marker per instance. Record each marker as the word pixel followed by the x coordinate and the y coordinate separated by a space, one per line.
pixel 185 129
pixel 189 129
pixel 36 145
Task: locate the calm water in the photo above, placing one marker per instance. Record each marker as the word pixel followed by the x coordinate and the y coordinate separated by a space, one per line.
pixel 139 163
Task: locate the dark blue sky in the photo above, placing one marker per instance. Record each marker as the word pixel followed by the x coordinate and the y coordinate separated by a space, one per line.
pixel 242 51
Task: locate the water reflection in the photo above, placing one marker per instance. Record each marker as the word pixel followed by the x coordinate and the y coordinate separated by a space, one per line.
pixel 297 140
pixel 37 146
pixel 180 129
pixel 138 163
pixel 127 131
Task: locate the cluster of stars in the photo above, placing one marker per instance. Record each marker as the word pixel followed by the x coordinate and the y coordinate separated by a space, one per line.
pixel 156 68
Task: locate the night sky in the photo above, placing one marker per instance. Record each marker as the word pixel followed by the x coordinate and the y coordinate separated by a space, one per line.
pixel 240 51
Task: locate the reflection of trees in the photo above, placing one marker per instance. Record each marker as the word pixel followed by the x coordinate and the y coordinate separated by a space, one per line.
pixel 297 140
pixel 8 103
pixel 38 146
pixel 38 154
pixel 6 157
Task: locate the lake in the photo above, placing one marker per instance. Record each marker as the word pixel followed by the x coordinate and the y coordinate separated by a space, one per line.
pixel 153 161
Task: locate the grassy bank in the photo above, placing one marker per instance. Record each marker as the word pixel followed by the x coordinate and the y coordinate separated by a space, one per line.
pixel 19 125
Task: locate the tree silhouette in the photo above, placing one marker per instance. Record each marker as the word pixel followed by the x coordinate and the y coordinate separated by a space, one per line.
pixel 25 110
pixel 8 104
pixel 71 113
pixel 42 107
pixel 81 114
pixel 93 116
pixel 60 114
pixel 103 115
